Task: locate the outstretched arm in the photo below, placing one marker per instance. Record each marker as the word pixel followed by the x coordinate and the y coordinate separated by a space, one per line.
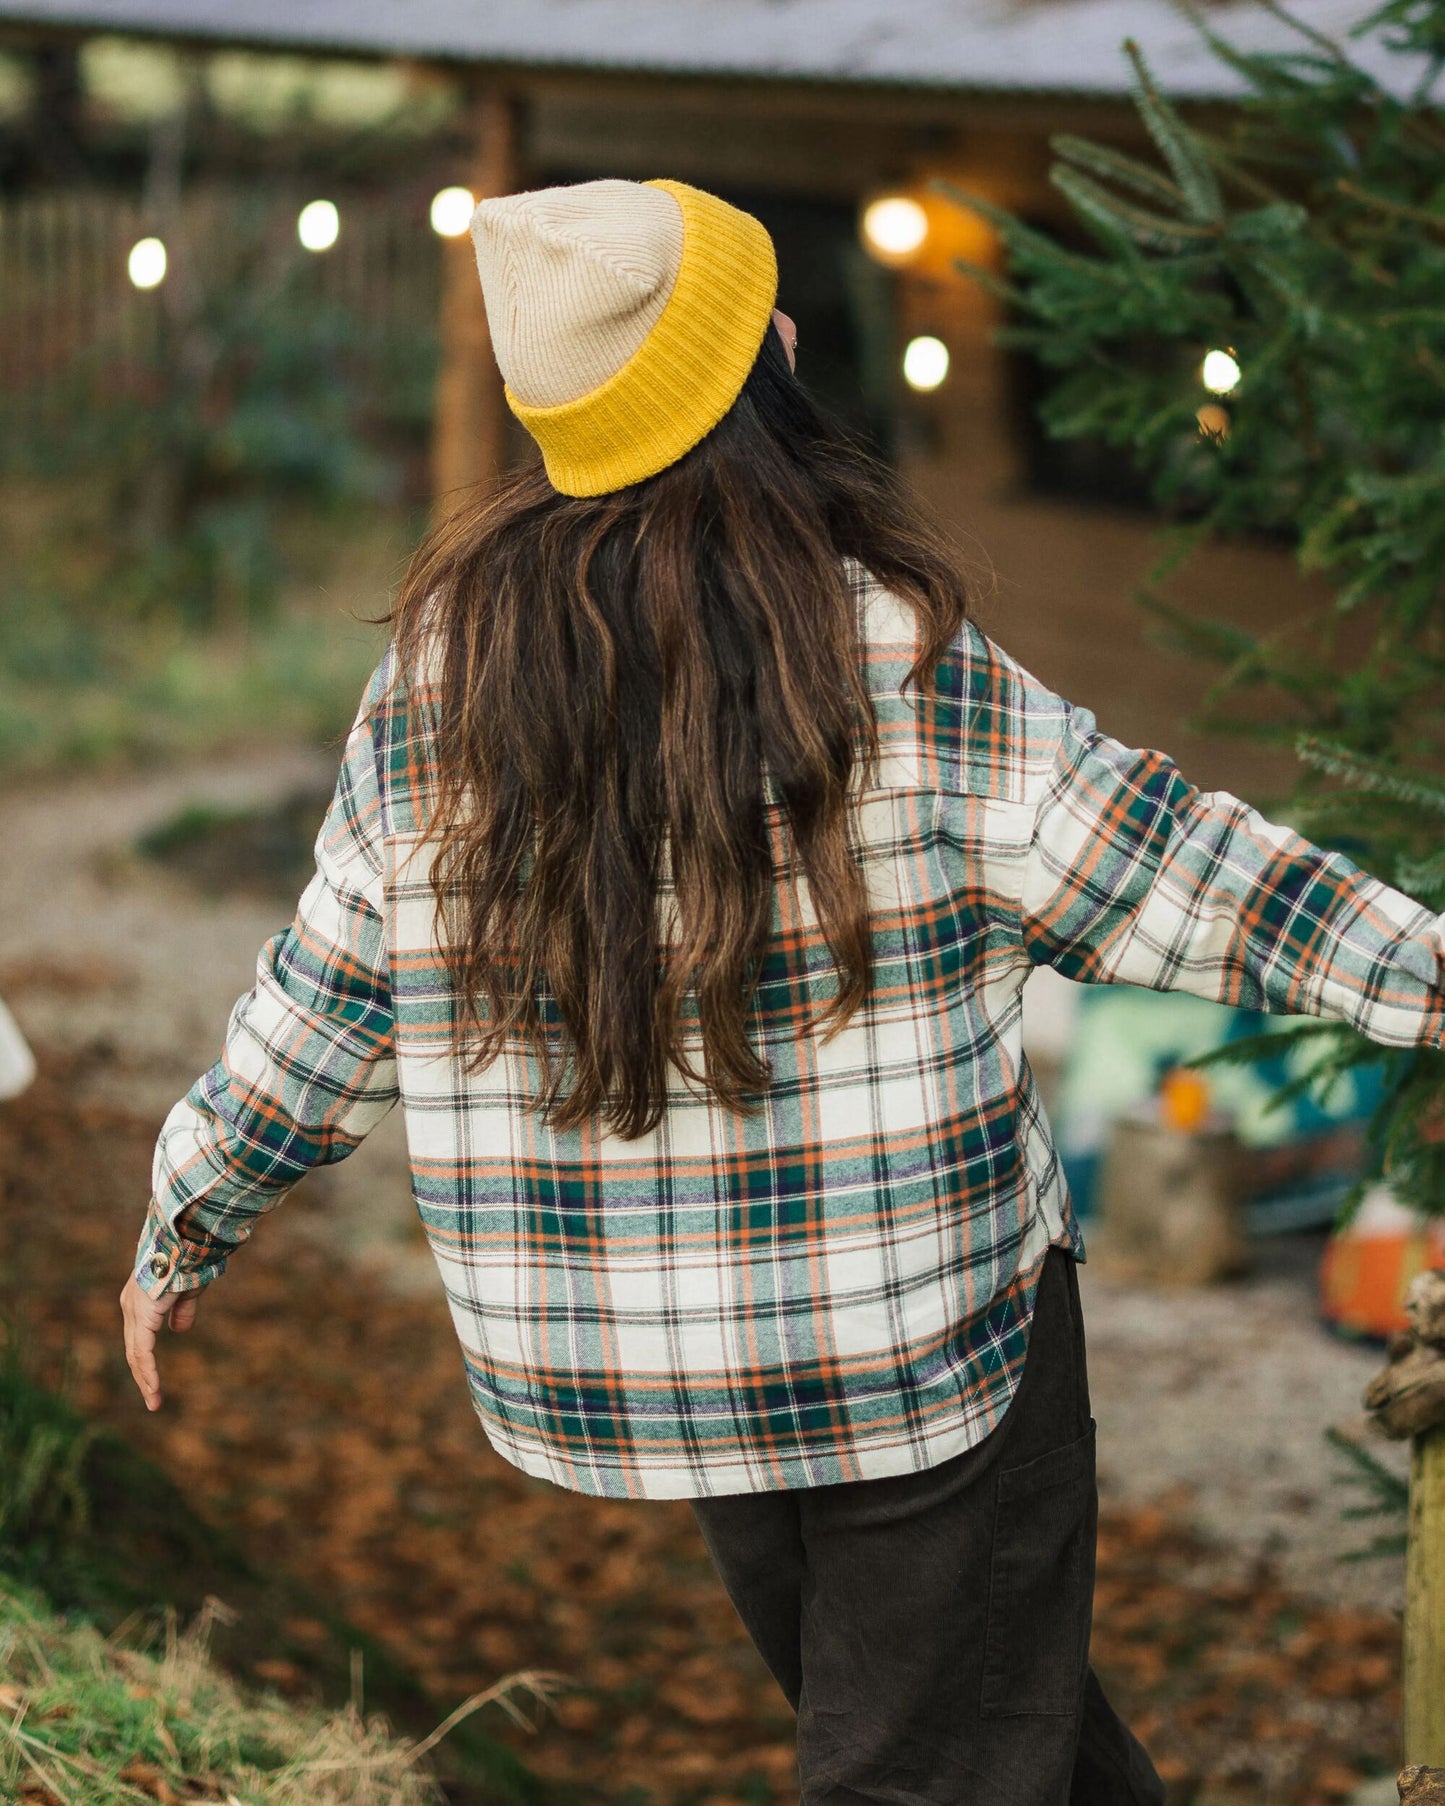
pixel 308 1065
pixel 1135 877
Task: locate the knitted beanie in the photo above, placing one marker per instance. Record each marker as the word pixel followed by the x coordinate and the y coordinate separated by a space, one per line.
pixel 625 317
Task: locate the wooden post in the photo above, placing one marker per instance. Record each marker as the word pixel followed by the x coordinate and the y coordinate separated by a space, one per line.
pixel 469 431
pixel 1425 1603
pixel 1408 1399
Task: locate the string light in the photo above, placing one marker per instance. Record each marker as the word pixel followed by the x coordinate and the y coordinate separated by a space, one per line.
pixel 925 362
pixel 318 225
pixel 451 211
pixel 1220 372
pixel 1213 420
pixel 894 227
pixel 146 265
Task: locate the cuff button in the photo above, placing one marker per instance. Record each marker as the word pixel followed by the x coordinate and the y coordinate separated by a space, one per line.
pixel 159 1264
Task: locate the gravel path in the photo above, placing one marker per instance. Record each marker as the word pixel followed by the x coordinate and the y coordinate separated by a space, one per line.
pixel 1221 1395
pixel 1216 1397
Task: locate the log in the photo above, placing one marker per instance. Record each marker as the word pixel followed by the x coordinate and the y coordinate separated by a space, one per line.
pixel 470 425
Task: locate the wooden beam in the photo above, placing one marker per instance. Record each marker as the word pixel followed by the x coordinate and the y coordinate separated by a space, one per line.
pixel 867 105
pixel 1407 1398
pixel 469 430
pixel 1424 1679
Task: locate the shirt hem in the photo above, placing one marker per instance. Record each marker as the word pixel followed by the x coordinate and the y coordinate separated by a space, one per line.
pixel 883 1458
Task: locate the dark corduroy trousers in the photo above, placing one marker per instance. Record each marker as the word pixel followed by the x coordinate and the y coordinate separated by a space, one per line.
pixel 931 1630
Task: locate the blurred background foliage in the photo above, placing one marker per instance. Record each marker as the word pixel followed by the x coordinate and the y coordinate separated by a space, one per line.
pixel 185 468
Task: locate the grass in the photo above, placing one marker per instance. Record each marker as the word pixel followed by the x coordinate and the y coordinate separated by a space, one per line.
pixel 166 694
pixel 97 1543
pixel 86 1720
pixel 85 680
pixel 44 1508
pixel 266 851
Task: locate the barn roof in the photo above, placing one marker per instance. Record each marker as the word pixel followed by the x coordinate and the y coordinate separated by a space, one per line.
pixel 1065 46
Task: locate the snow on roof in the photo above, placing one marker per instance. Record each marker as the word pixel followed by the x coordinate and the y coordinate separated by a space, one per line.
pixel 1039 45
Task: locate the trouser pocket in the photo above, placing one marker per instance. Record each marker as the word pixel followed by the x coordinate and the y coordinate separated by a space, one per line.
pixel 1041 1583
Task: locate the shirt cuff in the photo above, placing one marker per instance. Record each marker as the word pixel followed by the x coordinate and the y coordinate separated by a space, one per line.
pixel 166 1261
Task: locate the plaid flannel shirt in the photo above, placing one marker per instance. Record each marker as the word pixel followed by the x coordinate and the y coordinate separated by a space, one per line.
pixel 841 1286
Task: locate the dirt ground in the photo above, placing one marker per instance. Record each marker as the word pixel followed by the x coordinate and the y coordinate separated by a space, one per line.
pixel 1255 1662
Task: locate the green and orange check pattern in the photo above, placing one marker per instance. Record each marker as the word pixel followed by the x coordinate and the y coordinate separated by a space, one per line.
pixel 841 1286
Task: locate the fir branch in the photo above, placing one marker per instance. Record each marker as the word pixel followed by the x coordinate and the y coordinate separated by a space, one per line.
pixel 1393 1543
pixel 1267 224
pixel 1247 657
pixel 1422 216
pixel 1248 1050
pixel 1191 169
pixel 1232 170
pixel 1123 217
pixel 1370 775
pixel 1333 50
pixel 1391 1493
pixel 1098 160
pixel 991 282
pixel 1218 641
pixel 1423 879
pixel 1019 237
pixel 1415 316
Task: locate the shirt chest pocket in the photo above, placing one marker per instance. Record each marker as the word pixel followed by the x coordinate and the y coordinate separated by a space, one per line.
pixel 899 847
pixel 897 832
pixel 928 949
pixel 942 892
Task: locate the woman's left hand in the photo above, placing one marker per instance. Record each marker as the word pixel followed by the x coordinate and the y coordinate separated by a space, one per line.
pixel 144 1316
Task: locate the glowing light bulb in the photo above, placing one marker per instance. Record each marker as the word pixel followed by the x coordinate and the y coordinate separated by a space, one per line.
pixel 925 362
pixel 451 211
pixel 1219 372
pixel 318 225
pixel 146 265
pixel 894 226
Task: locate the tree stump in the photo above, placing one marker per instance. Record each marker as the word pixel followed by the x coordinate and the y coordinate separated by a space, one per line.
pixel 1169 1208
pixel 1408 1399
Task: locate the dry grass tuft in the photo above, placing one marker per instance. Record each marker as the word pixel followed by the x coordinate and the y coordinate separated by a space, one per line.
pixel 86 1720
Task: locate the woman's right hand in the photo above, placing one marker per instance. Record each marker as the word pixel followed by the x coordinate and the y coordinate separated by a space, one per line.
pixel 144 1316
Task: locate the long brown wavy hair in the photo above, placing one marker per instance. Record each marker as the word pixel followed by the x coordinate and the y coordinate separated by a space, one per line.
pixel 615 673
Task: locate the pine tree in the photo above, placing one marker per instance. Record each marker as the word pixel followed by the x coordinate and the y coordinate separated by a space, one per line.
pixel 1304 238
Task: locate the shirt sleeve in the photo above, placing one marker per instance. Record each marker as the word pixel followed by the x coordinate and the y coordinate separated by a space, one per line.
pixel 1135 877
pixel 308 1065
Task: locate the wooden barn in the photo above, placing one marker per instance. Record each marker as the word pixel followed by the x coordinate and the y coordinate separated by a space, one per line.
pixel 807 112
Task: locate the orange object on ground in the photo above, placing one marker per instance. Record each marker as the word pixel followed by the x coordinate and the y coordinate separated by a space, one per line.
pixel 1368 1265
pixel 1183 1099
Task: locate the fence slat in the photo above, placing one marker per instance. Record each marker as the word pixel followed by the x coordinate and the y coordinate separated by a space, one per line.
pixel 65 294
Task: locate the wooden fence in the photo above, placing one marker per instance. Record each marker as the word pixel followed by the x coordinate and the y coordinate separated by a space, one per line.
pixel 71 318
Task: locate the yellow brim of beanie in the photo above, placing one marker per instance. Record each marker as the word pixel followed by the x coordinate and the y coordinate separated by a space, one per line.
pixel 685 374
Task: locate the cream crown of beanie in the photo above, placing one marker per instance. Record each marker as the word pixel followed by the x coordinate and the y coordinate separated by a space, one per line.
pixel 625 317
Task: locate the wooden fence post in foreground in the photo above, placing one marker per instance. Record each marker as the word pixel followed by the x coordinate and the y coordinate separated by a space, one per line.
pixel 469 431
pixel 1408 1399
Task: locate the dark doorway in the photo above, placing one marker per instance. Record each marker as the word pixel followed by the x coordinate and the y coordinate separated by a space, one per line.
pixel 843 304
